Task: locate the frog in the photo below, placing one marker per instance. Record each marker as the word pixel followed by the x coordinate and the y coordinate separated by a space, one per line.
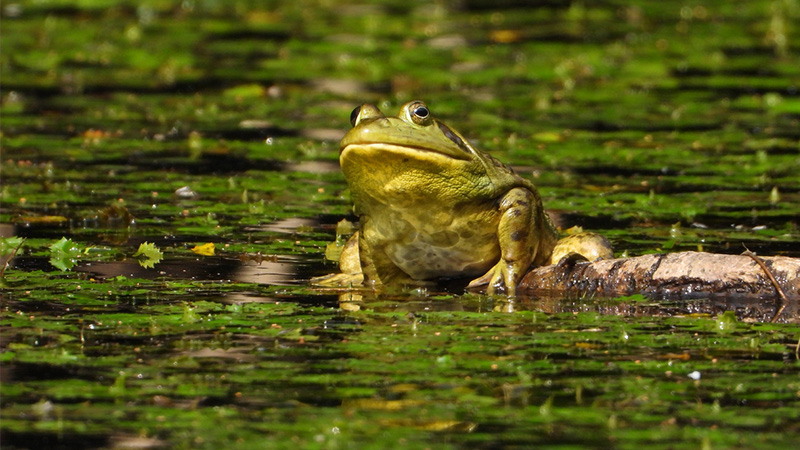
pixel 431 207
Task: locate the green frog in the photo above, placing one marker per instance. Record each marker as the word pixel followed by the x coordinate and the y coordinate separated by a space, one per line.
pixel 431 206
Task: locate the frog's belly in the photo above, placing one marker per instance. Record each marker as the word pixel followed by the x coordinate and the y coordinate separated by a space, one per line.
pixel 445 255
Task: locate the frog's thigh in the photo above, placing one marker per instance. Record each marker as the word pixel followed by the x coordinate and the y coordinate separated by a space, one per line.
pixel 378 268
pixel 586 245
pixel 517 243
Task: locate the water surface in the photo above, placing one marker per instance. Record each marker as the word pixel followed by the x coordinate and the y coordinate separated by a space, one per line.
pixel 666 127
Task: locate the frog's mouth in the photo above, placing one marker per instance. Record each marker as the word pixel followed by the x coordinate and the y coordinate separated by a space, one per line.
pixel 412 151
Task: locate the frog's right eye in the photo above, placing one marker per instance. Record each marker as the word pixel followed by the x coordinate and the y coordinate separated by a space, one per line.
pixel 354 115
pixel 419 113
pixel 422 113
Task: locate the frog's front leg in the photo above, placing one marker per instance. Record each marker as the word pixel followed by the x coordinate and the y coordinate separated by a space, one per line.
pixel 521 233
pixel 362 262
pixel 349 264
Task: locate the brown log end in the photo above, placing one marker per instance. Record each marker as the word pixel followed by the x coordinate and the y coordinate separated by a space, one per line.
pixel 672 275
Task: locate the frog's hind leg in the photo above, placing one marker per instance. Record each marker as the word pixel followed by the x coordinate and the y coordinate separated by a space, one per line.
pixel 585 246
pixel 521 233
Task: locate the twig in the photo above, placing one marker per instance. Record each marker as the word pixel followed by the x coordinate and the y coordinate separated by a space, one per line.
pixel 778 289
pixel 10 257
pixel 797 350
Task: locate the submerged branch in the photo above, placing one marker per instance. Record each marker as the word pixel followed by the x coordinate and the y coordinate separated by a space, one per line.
pixel 778 289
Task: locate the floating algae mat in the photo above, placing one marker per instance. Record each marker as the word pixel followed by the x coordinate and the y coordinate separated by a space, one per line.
pixel 170 182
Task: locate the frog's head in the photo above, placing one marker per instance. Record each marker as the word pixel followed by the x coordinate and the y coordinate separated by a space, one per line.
pixel 413 131
pixel 414 161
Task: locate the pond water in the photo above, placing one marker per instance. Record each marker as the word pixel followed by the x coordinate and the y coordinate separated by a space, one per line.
pixel 163 126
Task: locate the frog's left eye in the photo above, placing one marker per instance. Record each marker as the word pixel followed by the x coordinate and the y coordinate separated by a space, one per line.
pixel 354 115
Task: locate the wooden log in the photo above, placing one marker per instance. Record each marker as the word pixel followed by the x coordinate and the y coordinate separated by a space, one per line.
pixel 672 275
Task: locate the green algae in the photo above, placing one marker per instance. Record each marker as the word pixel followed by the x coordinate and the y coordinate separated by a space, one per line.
pixel 666 127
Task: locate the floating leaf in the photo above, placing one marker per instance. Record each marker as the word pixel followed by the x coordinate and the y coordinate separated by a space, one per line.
pixel 8 249
pixel 505 36
pixel 204 249
pixel 189 315
pixel 149 255
pixel 727 321
pixel 245 91
pixel 344 227
pixel 118 389
pixel 333 250
pixel 633 298
pixel 574 230
pixel 774 196
pixel 549 136
pixel 64 254
pixel 43 220
pixel 7 245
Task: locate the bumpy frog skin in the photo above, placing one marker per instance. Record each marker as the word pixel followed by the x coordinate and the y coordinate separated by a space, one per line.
pixel 431 206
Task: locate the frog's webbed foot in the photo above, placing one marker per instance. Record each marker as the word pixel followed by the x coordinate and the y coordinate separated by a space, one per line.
pixel 339 280
pixel 503 277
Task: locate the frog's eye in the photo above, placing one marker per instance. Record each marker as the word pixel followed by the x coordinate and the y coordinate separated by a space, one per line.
pixel 419 113
pixel 354 115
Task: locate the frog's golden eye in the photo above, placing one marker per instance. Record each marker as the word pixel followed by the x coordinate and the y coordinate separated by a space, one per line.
pixel 354 115
pixel 420 113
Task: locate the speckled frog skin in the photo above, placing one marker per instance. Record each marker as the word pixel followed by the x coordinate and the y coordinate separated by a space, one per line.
pixel 431 206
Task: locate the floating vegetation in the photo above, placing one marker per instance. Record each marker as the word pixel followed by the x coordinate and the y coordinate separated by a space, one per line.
pixel 170 183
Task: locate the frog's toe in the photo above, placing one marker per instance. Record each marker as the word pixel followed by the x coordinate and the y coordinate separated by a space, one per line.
pixel 339 280
pixel 501 278
pixel 480 282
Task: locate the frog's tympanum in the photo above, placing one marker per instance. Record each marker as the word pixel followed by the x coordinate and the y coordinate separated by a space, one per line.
pixel 431 206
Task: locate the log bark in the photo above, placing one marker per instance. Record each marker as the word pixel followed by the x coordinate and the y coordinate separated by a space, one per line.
pixel 672 275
